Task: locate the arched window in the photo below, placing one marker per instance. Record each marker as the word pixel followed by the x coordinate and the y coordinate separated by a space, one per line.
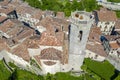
pixel 80 35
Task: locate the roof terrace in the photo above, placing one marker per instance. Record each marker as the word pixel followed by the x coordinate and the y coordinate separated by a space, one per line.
pixel 81 17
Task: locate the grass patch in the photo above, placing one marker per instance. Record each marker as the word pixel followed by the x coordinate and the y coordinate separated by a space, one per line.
pixel 118 77
pixel 66 76
pixel 4 73
pixel 103 69
pixel 12 65
pixel 34 63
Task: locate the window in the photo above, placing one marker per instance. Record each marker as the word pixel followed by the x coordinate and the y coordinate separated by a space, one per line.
pixel 111 28
pixel 111 51
pixel 72 68
pixel 80 35
pixel 56 30
pixel 105 27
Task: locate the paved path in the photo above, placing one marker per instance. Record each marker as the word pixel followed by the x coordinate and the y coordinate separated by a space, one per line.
pixel 110 5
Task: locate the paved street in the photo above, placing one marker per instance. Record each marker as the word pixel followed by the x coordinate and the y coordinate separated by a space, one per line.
pixel 113 6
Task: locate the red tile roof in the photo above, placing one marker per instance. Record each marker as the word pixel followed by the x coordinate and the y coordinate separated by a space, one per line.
pixel 6 10
pixel 95 34
pixel 112 37
pixel 49 39
pixel 6 26
pixel 2 18
pixel 21 51
pixel 3 45
pixel 114 45
pixel 51 54
pixel 97 49
pixel 60 15
pixel 106 15
pixel 117 24
pixel 49 63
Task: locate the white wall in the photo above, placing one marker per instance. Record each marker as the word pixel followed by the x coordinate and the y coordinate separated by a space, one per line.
pixel 114 52
pixel 113 6
pixel 41 29
pixel 34 52
pixel 27 18
pixel 50 68
pixel 109 28
pixel 18 61
pixel 13 58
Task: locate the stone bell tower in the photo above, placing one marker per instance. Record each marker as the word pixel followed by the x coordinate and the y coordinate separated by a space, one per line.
pixel 79 29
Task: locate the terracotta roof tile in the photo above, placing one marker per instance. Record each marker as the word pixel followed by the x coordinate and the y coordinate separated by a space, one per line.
pixel 51 40
pixel 95 34
pixel 114 45
pixel 31 43
pixel 97 49
pixel 51 54
pixel 54 22
pixel 3 45
pixel 117 24
pixel 2 18
pixel 6 10
pixel 106 15
pixel 21 51
pixel 4 3
pixel 112 37
pixel 37 14
pixel 6 26
pixel 24 33
pixel 60 15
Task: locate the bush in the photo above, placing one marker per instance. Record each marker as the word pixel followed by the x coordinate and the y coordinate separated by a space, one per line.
pixel 65 5
pixel 19 74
